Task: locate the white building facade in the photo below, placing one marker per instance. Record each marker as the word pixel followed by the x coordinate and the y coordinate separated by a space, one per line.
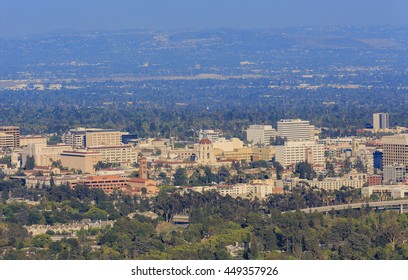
pixel 296 129
pixel 260 134
pixel 293 152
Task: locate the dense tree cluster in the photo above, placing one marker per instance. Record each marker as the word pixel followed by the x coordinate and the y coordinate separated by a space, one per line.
pixel 204 176
pixel 219 227
pixel 151 113
pixel 305 170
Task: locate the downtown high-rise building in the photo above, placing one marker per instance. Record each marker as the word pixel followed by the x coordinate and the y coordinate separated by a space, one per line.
pixel 381 121
pixel 395 149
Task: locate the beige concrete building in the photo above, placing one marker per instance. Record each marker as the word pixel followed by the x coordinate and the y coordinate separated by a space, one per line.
pixel 239 154
pixel 246 190
pixel 84 161
pixel 43 155
pixel 225 152
pixel 248 154
pixel 182 154
pixel 125 155
pixel 353 180
pixel 228 145
pixel 13 130
pixel 264 153
pixel 33 181
pixel 161 144
pixel 102 137
pixel 6 140
pixel 395 149
pixel 32 139
pixel 296 151
pixel 382 191
pixel 259 189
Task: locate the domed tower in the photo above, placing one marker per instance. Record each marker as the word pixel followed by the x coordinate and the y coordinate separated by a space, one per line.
pixel 205 152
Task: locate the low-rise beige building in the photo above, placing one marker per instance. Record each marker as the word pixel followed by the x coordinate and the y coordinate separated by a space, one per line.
pixel 351 180
pixel 239 154
pixel 32 139
pixel 248 154
pixel 228 145
pixel 125 155
pixel 161 144
pixel 394 191
pixel 259 190
pixel 84 161
pixel 264 153
pixel 43 155
pixel 33 181
pixel 182 154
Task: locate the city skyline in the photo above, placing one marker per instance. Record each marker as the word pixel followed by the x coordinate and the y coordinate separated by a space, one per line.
pixel 204 130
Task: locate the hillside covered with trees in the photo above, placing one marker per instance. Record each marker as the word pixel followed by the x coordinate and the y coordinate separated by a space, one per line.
pixel 219 227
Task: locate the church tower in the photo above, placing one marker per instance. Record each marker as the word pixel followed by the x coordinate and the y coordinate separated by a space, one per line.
pixel 205 152
pixel 143 168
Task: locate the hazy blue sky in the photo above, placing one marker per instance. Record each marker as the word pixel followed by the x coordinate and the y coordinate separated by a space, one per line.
pixel 20 17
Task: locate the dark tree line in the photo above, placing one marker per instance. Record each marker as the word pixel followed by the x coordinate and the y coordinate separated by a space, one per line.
pixel 258 228
pixel 155 114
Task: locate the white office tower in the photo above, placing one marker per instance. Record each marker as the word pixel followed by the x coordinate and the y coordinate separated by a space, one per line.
pixel 260 134
pixel 210 134
pixel 296 151
pixel 381 121
pixel 296 129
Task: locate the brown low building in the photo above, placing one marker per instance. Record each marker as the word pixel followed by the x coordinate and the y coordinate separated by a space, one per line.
pixel 374 180
pixel 131 186
pixel 106 183
pixel 135 186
